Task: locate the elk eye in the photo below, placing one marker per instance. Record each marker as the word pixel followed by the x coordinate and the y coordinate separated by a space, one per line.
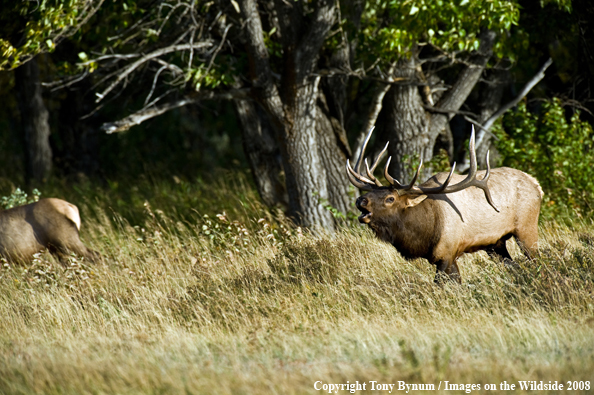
pixel 390 199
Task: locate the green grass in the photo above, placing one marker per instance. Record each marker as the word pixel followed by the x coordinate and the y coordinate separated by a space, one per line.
pixel 244 302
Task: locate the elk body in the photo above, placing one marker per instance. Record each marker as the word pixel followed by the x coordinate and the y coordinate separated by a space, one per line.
pixel 449 214
pixel 48 223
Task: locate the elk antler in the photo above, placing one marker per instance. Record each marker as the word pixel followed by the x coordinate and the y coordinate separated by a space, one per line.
pixel 370 182
pixel 355 176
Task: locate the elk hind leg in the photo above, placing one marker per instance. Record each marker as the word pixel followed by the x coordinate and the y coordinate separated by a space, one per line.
pixel 68 241
pixel 528 240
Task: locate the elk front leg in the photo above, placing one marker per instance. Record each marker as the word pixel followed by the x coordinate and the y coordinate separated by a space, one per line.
pixel 447 270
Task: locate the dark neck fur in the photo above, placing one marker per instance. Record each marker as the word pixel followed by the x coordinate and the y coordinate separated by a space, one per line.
pixel 414 232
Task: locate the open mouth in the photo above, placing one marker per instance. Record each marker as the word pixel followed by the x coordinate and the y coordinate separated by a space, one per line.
pixel 365 216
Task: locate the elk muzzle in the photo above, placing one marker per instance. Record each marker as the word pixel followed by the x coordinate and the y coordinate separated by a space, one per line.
pixel 362 204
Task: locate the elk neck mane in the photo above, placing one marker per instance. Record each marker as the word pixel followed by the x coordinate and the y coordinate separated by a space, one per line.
pixel 414 232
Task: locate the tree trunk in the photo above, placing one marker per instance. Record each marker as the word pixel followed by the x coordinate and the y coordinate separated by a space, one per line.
pixel 404 124
pixel 455 97
pixel 77 152
pixel 334 150
pixel 291 106
pixel 489 102
pixel 34 118
pixel 335 86
pixel 262 152
pixel 306 177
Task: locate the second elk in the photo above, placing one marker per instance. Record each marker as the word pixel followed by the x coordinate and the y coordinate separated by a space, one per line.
pixel 449 214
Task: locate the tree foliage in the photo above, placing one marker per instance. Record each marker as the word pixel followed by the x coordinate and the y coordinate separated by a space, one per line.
pixel 31 27
pixel 393 28
pixel 555 148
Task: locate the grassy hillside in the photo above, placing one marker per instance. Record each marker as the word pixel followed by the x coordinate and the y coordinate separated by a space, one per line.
pixel 202 290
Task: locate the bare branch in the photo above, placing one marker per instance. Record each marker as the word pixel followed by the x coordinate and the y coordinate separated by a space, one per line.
pixel 155 78
pixel 448 112
pixel 158 99
pixel 175 69
pixel 110 56
pixel 475 122
pixel 147 113
pixel 162 51
pixel 65 82
pixel 214 55
pixel 525 90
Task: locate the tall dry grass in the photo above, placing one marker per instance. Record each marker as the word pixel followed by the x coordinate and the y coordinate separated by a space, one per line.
pixel 188 301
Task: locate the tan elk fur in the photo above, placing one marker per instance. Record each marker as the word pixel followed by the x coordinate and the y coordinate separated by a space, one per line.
pixel 51 224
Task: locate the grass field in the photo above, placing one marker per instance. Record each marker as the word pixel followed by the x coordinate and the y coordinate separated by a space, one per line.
pixel 202 290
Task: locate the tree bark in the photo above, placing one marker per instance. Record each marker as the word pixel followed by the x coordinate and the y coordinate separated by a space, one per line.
pixel 262 152
pixel 306 176
pixel 489 102
pixel 334 150
pixel 34 118
pixel 404 124
pixel 336 86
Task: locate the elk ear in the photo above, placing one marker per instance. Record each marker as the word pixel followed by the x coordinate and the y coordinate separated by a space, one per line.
pixel 414 201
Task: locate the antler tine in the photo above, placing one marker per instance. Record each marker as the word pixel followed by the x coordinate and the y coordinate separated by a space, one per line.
pixel 395 183
pixel 371 176
pixel 486 188
pixel 412 183
pixel 358 176
pixel 359 184
pixel 370 171
pixel 379 157
pixel 488 173
pixel 471 177
pixel 439 189
pixel 355 175
pixel 473 165
pixel 363 148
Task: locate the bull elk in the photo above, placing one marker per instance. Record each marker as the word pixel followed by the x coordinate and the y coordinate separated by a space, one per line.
pixel 48 223
pixel 440 221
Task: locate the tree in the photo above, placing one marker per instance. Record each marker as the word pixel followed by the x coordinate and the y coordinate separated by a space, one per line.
pixel 34 119
pixel 311 67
